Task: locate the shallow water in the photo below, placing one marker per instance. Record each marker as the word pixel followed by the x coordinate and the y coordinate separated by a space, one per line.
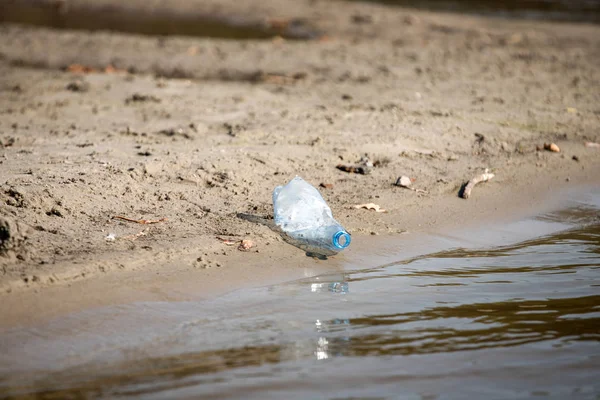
pixel 519 320
pixel 557 10
pixel 163 22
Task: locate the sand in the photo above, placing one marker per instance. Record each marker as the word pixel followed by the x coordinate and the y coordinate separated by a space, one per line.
pixel 195 130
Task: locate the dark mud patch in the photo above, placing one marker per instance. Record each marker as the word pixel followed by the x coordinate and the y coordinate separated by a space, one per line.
pixel 13 236
pixel 161 22
pixel 555 10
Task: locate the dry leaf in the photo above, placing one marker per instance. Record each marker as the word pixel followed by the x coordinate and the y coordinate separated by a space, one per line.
pixel 80 69
pixel 85 69
pixel 110 69
pixel 370 206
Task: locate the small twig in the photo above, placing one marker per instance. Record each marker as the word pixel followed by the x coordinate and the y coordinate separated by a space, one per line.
pixel 228 242
pixel 354 169
pixel 256 219
pixel 414 189
pixel 140 221
pixel 258 160
pixel 486 176
pixel 137 235
pixel 370 206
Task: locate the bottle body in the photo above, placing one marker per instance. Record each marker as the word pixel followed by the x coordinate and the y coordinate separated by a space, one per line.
pixel 306 220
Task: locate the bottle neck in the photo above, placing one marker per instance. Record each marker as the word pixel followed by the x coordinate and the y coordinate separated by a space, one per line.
pixel 341 239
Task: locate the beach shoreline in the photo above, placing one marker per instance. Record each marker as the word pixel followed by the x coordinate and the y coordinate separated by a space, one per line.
pixel 172 279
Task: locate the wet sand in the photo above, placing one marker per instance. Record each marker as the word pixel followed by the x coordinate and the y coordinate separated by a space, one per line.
pixel 196 130
pixel 446 310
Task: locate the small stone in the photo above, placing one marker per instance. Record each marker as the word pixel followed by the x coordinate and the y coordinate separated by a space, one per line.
pixel 55 211
pixel 551 147
pixel 362 19
pixel 78 86
pixel 403 181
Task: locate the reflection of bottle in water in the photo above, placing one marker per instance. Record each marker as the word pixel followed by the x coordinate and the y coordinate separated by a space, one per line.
pixel 334 344
pixel 334 287
pixel 338 287
pixel 306 220
pixel 329 283
pixel 324 284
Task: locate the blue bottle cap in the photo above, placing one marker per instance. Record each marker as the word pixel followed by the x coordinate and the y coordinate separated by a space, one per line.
pixel 336 239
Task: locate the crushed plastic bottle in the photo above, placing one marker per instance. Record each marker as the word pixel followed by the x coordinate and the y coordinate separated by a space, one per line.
pixel 305 219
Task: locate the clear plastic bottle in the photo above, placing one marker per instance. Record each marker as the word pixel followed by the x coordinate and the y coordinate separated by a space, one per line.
pixel 306 221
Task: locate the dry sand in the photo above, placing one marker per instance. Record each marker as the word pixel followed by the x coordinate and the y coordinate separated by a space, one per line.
pixel 199 129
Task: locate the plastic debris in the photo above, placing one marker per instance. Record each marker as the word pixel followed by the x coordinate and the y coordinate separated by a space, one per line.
pixel 305 220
